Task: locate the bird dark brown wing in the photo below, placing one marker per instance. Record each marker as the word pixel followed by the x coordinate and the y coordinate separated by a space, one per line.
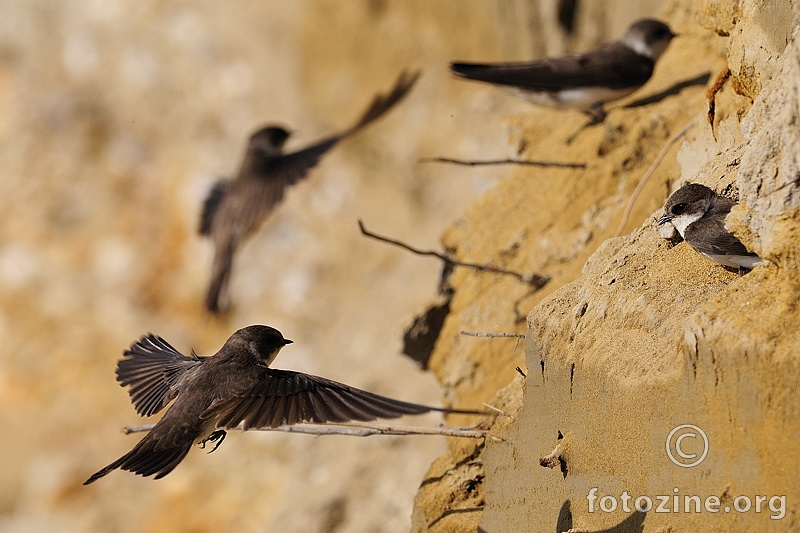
pixel 151 367
pixel 294 166
pixel 709 237
pixel 613 65
pixel 282 397
pixel 211 203
pixel 384 102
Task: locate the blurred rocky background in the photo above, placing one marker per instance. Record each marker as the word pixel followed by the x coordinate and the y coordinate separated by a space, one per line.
pixel 117 116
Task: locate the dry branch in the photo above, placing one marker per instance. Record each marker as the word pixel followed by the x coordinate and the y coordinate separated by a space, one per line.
pixel 493 335
pixel 535 280
pixel 355 430
pixel 525 162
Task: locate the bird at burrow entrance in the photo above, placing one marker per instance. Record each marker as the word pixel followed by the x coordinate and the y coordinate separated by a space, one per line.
pixel 235 388
pixel 235 208
pixel 698 214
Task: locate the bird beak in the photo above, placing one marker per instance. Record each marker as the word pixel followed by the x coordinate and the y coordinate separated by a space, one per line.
pixel 666 217
pixel 287 341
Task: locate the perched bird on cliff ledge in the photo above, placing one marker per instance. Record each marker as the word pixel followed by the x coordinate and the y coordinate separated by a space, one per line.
pixel 698 213
pixel 234 209
pixel 584 82
pixel 231 388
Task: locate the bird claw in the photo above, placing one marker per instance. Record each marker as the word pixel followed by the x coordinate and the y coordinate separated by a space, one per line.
pixel 216 437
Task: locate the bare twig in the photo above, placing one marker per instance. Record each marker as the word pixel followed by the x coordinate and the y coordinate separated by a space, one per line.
pixel 473 163
pixel 535 280
pixel 356 430
pixel 518 336
pixel 505 413
pixel 653 167
pixel 137 428
pixel 493 335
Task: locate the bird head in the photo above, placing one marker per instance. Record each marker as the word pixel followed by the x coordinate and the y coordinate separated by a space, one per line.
pixel 686 205
pixel 263 342
pixel 648 37
pixel 269 139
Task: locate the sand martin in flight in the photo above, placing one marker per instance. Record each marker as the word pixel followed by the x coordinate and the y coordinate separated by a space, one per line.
pixel 586 81
pixel 234 209
pixel 698 213
pixel 235 387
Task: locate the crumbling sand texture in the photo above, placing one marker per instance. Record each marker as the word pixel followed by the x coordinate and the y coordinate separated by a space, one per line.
pixel 634 336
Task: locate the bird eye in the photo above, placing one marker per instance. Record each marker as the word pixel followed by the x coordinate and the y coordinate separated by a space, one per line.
pixel 677 209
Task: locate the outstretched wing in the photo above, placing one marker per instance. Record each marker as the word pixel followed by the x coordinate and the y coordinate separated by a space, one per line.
pixel 282 397
pixel 599 68
pixel 151 367
pixel 295 166
pixel 384 102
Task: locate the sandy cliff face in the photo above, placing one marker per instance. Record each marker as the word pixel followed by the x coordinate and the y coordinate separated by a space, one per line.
pixel 633 336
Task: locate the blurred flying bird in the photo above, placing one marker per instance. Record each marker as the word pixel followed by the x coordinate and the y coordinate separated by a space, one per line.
pixel 234 209
pixel 586 81
pixel 231 388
